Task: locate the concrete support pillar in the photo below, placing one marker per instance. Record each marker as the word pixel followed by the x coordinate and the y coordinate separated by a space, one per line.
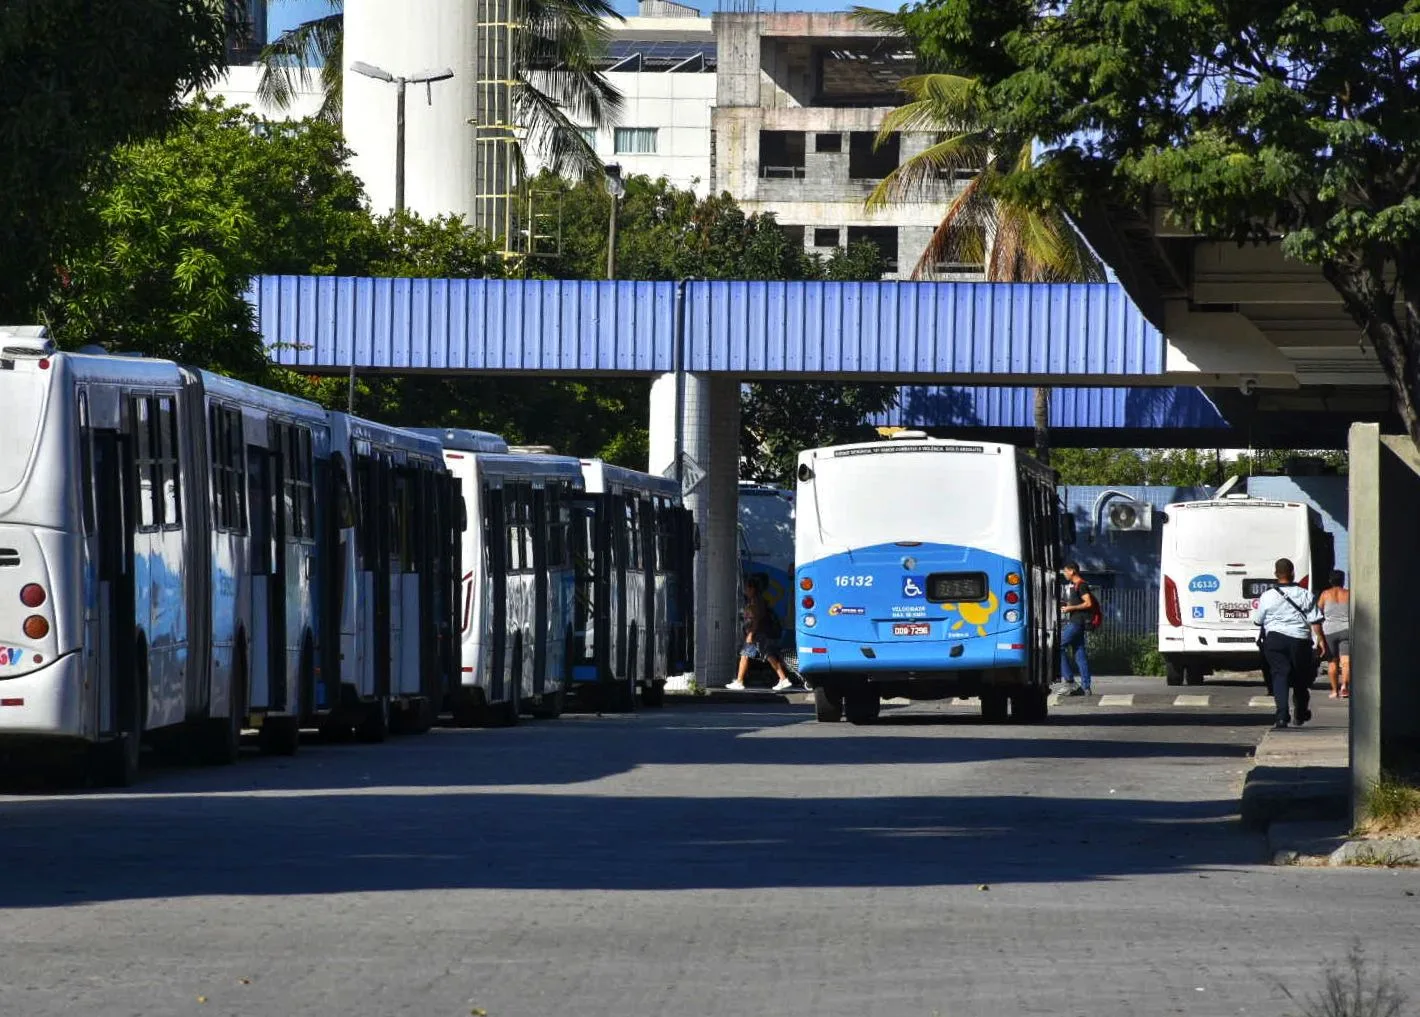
pixel 1385 641
pixel 710 415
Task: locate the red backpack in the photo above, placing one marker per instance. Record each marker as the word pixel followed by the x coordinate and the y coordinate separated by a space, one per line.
pixel 1096 615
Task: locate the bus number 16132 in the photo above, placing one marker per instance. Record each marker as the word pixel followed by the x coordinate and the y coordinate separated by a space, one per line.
pixel 853 580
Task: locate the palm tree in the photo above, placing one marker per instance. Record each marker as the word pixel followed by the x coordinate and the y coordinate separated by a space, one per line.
pixel 1015 242
pixel 557 72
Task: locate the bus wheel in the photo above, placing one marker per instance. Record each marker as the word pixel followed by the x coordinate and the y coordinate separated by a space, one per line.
pixel 552 705
pixel 223 743
pixel 374 726
pixel 862 706
pixel 1030 705
pixel 653 696
pixel 994 705
pixel 114 763
pixel 828 705
pixel 469 708
pixel 280 736
pixel 1193 674
pixel 1173 671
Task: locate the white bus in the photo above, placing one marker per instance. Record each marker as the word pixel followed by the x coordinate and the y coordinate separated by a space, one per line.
pixel 926 568
pixel 1216 560
pixel 262 503
pixel 515 612
pixel 394 580
pixel 634 547
pixel 154 557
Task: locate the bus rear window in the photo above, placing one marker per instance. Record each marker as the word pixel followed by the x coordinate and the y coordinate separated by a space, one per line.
pixel 22 393
pixel 1236 533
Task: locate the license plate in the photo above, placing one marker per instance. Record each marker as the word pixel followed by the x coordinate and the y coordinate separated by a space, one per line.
pixel 912 629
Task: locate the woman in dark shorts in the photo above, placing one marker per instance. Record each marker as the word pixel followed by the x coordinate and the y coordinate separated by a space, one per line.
pixel 1335 605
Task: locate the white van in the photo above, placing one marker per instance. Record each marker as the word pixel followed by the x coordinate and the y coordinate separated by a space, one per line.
pixel 1217 559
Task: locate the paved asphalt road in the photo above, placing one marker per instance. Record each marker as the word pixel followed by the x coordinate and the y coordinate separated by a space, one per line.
pixel 717 859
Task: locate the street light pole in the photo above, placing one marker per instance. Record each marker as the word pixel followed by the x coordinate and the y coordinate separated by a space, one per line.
pixel 427 79
pixel 399 145
pixel 616 188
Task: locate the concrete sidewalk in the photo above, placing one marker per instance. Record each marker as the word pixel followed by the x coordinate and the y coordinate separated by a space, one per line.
pixel 1299 789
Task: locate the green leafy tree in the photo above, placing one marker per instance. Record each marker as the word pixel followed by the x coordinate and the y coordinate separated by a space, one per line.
pixel 161 262
pixel 78 82
pixel 1291 121
pixel 558 80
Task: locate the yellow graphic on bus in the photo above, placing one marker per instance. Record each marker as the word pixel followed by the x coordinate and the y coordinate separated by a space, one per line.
pixel 977 614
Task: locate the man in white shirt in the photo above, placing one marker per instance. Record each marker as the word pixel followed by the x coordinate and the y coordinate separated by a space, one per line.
pixel 1291 625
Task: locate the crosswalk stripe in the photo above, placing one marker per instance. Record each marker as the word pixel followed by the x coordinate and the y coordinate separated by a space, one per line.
pixel 1117 699
pixel 1262 701
pixel 1190 701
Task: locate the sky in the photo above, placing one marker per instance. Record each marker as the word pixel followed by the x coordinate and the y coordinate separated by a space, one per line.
pixel 282 14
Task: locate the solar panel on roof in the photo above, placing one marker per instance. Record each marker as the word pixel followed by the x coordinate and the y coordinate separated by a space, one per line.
pixel 660 51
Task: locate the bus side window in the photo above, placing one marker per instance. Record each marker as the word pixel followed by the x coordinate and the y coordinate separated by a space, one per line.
pixel 170 494
pixel 144 461
pixel 86 464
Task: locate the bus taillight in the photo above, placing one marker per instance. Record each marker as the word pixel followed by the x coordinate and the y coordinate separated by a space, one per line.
pixel 808 603
pixel 32 595
pixel 1013 579
pixel 1012 597
pixel 806 583
pixel 1171 608
pixel 35 627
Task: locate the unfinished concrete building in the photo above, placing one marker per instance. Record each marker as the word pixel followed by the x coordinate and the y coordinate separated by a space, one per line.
pixel 799 101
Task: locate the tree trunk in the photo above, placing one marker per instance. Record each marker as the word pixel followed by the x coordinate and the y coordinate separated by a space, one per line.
pixel 1042 424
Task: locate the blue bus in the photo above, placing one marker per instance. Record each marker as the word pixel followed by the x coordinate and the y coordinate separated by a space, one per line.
pixel 927 569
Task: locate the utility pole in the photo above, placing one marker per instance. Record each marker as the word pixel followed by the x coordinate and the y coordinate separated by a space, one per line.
pixel 616 188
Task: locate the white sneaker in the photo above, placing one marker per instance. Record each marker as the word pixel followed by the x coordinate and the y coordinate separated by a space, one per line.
pixel 736 685
pixel 784 685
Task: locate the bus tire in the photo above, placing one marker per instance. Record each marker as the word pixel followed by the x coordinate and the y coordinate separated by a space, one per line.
pixel 862 706
pixel 280 735
pixel 1173 671
pixel 828 705
pixel 374 726
pixel 551 706
pixel 1030 705
pixel 114 763
pixel 223 744
pixel 1193 674
pixel 653 696
pixel 514 706
pixel 622 692
pixel 469 709
pixel 994 706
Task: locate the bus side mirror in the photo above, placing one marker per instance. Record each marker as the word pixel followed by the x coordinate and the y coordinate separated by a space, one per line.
pixel 805 473
pixel 1067 529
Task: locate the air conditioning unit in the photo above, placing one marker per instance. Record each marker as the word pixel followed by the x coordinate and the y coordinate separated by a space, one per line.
pixel 1129 517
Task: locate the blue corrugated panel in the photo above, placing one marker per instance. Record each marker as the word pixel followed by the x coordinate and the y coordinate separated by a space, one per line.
pixel 1091 408
pixel 743 328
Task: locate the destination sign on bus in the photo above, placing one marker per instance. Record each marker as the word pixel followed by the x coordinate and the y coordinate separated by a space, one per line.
pixel 882 450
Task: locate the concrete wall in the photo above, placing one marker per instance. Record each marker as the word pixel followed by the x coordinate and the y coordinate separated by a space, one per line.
pixel 1385 648
pixel 237 87
pixel 438 138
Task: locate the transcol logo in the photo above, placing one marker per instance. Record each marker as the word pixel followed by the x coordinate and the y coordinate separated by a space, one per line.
pixel 1204 584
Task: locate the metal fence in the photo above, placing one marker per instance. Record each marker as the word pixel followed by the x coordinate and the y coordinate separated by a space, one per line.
pixel 1130 628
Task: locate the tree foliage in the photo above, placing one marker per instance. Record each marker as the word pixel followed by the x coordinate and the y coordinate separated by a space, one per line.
pixel 1295 121
pixel 1181 467
pixel 76 83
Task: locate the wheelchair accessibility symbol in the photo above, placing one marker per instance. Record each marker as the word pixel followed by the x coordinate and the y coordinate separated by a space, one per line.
pixel 912 586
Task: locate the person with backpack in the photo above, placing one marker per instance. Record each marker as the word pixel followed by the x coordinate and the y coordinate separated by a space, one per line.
pixel 1291 625
pixel 762 634
pixel 1079 613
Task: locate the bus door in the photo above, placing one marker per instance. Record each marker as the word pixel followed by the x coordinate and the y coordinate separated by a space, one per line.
pixel 651 632
pixel 683 557
pixel 334 506
pixel 621 519
pixel 540 588
pixel 110 616
pixel 403 593
pixel 265 626
pixel 495 541
pixel 373 583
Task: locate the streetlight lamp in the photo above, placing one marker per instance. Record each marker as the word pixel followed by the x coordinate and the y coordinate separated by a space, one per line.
pixel 616 188
pixel 425 78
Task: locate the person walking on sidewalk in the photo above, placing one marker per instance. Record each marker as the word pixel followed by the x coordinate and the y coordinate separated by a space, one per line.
pixel 1077 607
pixel 1335 604
pixel 1291 626
pixel 762 635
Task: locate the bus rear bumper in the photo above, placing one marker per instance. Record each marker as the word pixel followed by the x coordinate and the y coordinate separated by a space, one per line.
pixel 990 659
pixel 46 703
